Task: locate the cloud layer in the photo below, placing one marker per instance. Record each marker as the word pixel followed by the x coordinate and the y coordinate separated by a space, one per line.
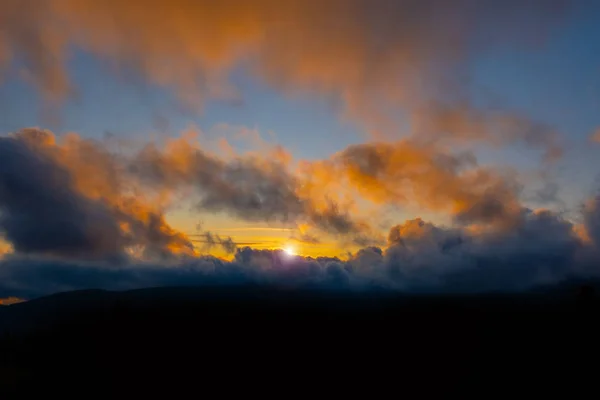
pixel 420 257
pixel 79 216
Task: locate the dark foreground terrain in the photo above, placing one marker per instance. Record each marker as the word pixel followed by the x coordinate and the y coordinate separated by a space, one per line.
pixel 258 342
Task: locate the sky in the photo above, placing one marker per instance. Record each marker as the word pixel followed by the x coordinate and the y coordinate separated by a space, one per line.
pixel 403 144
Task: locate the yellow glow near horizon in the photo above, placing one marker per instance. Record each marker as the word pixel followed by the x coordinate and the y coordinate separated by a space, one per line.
pixel 280 242
pixel 256 236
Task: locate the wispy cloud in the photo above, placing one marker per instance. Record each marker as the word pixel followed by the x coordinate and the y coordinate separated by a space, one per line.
pixel 381 55
pixel 252 229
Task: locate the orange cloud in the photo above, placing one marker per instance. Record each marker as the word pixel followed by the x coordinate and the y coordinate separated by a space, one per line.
pixel 466 122
pixel 5 248
pixel 330 195
pixel 595 137
pixel 374 57
pixel 406 172
pixel 10 300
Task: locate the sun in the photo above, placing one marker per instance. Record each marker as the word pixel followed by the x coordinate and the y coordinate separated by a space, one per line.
pixel 289 250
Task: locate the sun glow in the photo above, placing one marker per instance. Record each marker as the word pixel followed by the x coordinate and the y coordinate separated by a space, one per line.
pixel 289 250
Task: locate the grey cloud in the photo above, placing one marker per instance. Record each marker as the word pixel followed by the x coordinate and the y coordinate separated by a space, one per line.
pixel 489 209
pixel 548 193
pixel 306 238
pixel 210 240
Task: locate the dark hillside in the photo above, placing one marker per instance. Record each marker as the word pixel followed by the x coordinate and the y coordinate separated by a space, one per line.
pixel 256 341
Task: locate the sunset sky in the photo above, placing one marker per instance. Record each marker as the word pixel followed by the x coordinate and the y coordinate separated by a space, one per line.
pixel 375 133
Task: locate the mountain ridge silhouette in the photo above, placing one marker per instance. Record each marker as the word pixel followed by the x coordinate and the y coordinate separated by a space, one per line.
pixel 162 340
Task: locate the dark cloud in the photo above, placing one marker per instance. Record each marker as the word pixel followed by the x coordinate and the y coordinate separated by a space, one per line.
pixel 66 200
pixel 541 248
pixel 42 212
pixel 548 193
